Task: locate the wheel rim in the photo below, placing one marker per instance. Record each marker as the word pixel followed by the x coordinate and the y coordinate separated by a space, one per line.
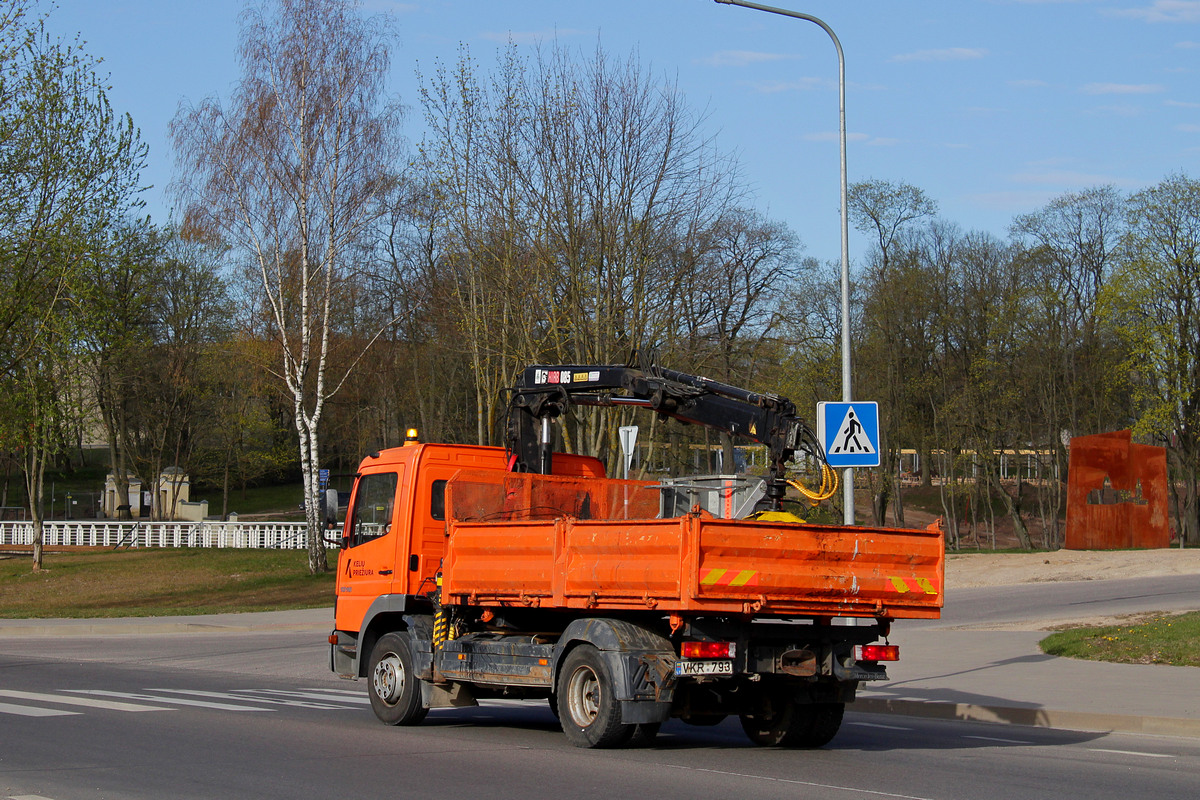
pixel 388 678
pixel 583 696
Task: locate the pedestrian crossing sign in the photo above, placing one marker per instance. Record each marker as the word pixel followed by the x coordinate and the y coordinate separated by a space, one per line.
pixel 849 432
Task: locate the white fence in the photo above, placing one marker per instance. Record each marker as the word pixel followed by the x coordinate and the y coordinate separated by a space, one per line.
pixel 278 535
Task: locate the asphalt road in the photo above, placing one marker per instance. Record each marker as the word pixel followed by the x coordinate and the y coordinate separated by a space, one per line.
pixel 1036 605
pixel 257 715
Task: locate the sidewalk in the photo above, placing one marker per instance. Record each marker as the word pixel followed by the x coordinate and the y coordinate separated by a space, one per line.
pixel 989 676
pixel 1002 676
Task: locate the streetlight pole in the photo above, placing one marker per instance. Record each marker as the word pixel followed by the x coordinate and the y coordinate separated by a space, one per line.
pixel 848 473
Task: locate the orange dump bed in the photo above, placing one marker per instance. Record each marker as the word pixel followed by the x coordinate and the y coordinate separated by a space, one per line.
pixel 549 542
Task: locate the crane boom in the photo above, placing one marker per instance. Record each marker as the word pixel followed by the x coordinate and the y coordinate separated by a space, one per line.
pixel 545 392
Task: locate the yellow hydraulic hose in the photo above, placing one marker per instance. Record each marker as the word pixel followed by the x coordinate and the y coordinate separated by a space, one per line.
pixel 828 488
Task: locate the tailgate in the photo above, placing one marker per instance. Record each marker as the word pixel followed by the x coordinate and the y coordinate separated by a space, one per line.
pixel 817 569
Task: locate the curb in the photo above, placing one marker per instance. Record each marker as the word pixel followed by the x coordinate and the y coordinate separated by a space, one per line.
pixel 1032 717
pixel 147 628
pixel 316 619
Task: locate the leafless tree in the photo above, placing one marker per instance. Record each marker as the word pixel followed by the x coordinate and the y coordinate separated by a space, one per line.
pixel 289 174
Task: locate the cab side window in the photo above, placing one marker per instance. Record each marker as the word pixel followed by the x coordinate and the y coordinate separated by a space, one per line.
pixel 437 500
pixel 373 507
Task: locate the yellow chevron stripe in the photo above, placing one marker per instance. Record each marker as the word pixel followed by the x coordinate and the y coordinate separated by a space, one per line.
pixel 712 577
pixel 926 585
pixel 899 585
pixel 743 577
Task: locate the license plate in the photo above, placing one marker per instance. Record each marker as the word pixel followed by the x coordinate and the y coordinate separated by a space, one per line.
pixel 686 668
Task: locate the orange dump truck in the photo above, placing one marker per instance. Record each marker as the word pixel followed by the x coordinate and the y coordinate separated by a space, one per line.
pixel 462 578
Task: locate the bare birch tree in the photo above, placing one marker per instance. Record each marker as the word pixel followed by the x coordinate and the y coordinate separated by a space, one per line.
pixel 290 174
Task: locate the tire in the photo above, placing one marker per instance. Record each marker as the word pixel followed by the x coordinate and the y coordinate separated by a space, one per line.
pixel 394 690
pixel 789 724
pixel 587 706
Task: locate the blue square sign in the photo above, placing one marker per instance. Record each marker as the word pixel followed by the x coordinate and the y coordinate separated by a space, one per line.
pixel 849 433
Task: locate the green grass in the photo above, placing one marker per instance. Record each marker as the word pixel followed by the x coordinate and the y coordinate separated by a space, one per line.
pixel 137 583
pixel 1172 639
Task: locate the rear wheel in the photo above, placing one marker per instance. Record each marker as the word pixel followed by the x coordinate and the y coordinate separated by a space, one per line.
pixel 788 724
pixel 394 690
pixel 587 706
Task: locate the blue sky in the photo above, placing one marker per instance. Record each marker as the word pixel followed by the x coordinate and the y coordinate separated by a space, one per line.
pixel 993 107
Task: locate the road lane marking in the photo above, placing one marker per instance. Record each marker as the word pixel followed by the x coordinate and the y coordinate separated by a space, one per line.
pixel 356 698
pixel 880 726
pixel 794 782
pixel 1131 753
pixel 178 701
pixel 996 739
pixel 110 705
pixel 32 711
pixel 248 698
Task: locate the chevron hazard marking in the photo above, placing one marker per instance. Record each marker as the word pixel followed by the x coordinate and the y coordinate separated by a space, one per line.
pixel 729 577
pixel 905 585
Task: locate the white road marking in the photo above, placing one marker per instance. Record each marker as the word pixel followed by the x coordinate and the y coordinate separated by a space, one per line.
pixel 357 699
pixel 1131 753
pixel 794 782
pixel 880 726
pixel 110 705
pixel 28 797
pixel 31 711
pixel 247 698
pixel 178 701
pixel 996 739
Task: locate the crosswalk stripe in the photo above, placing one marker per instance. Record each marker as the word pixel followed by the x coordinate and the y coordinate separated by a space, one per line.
pixel 249 698
pixel 110 705
pixel 32 711
pixel 178 701
pixel 313 695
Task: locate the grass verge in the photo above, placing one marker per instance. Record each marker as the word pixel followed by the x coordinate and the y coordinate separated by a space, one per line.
pixel 1170 639
pixel 145 583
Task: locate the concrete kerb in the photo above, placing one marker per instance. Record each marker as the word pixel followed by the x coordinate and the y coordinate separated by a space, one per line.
pixel 314 619
pixel 1031 717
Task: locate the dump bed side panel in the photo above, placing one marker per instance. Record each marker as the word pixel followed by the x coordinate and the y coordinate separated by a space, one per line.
pixel 694 564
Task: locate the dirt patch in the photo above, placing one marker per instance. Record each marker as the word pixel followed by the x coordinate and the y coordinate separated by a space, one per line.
pixel 1005 569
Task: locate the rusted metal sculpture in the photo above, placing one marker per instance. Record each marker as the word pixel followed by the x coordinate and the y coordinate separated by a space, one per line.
pixel 1116 494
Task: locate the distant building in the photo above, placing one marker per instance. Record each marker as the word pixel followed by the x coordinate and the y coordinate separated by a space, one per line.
pixel 169 500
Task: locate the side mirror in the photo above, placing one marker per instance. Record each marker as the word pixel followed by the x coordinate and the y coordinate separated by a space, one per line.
pixel 331 508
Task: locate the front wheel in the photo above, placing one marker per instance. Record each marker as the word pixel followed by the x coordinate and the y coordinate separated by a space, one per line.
pixel 587 706
pixel 788 724
pixel 395 691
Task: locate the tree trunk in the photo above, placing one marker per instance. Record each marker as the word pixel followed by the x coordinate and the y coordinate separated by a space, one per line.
pixel 1014 512
pixel 309 464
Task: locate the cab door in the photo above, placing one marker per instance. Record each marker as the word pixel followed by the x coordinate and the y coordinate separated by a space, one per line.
pixel 374 534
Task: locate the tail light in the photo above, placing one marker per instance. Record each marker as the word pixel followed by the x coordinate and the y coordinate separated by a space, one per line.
pixel 707 650
pixel 876 652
